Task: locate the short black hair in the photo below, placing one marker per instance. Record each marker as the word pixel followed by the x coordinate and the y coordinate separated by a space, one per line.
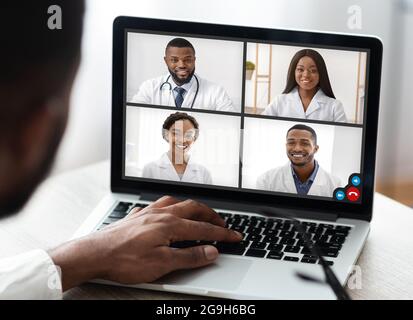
pixel 33 56
pixel 174 117
pixel 306 128
pixel 179 43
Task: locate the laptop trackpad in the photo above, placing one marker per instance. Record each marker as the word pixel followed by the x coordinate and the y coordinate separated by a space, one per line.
pixel 226 273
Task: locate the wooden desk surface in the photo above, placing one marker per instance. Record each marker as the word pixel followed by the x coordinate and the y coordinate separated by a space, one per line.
pixel 62 203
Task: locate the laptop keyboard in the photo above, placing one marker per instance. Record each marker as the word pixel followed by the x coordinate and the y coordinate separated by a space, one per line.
pixel 268 238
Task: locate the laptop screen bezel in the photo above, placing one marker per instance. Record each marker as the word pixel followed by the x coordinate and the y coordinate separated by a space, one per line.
pixel 373 45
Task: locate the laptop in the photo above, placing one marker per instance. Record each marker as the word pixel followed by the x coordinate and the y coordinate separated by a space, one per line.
pixel 278 119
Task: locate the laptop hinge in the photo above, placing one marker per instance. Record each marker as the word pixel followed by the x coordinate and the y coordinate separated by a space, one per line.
pixel 213 203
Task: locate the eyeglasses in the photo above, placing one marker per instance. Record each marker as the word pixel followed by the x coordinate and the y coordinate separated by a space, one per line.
pixel 189 135
pixel 330 277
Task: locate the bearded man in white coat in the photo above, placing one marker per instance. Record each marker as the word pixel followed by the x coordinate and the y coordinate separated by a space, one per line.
pixel 302 175
pixel 181 87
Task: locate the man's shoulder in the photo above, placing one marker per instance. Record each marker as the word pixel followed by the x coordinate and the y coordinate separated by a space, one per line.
pixel 211 85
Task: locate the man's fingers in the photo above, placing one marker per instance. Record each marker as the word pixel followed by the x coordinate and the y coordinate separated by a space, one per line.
pixel 193 257
pixel 134 212
pixel 163 202
pixel 184 229
pixel 193 210
pixel 188 209
pixel 160 203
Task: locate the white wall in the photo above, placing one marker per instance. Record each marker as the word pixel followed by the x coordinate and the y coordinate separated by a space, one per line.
pixel 216 60
pixel 346 152
pixel 88 133
pixel 400 156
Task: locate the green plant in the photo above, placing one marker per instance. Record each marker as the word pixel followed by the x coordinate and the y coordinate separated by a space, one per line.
pixel 249 65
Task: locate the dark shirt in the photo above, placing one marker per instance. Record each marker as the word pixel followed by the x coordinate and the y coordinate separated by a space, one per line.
pixel 304 187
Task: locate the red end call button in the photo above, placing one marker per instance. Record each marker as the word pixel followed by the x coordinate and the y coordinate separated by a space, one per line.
pixel 353 194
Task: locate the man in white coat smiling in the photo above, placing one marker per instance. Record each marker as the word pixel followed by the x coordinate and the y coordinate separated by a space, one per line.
pixel 181 87
pixel 302 175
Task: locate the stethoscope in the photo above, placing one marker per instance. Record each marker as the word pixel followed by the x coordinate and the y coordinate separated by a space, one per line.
pixel 170 89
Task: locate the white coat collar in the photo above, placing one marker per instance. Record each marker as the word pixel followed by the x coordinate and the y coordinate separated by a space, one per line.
pixel 165 163
pixel 287 179
pixel 320 183
pixel 318 101
pixel 186 86
pixel 289 184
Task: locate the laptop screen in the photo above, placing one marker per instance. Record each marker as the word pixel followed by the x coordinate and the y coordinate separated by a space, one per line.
pixel 251 116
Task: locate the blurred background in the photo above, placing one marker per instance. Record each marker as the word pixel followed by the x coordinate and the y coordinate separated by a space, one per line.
pixel 87 138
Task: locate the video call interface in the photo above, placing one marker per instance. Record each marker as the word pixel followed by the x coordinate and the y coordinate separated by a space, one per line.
pixel 247 116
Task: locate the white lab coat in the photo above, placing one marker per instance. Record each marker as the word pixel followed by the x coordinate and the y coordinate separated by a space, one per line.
pixel 281 180
pixel 164 169
pixel 321 107
pixel 210 95
pixel 31 275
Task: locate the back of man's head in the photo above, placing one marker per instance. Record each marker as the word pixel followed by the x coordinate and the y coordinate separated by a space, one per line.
pixel 36 57
pixel 40 52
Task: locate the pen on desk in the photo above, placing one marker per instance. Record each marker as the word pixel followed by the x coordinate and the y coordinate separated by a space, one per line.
pixel 331 278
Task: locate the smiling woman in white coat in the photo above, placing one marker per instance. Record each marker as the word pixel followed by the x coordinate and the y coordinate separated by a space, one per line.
pixel 308 93
pixel 181 131
pixel 302 175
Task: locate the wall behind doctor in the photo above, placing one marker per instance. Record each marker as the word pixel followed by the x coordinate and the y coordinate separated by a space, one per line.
pixel 216 60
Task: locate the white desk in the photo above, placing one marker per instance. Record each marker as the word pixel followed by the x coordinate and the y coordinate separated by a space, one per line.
pixel 62 203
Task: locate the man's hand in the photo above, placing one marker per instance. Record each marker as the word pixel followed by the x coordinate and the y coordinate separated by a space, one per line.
pixel 136 249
